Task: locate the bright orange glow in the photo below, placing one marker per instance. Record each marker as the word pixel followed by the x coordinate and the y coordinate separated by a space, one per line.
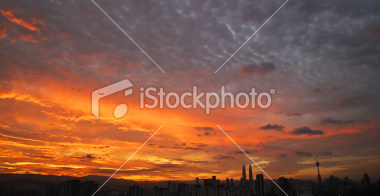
pixel 10 16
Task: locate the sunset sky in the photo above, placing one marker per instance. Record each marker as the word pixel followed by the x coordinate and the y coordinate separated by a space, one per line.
pixel 321 57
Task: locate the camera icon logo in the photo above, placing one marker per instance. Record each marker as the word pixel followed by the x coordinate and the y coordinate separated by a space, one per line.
pixel 121 109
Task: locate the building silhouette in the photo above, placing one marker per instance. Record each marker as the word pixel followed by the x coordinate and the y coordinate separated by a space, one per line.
pixel 159 191
pixel 74 188
pixel 135 190
pixel 206 187
pixel 244 177
pixel 197 190
pixel 365 181
pixel 251 184
pixel 319 175
pixel 250 175
pixel 259 185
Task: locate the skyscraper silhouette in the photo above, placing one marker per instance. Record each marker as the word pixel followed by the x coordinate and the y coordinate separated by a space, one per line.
pixel 250 185
pixel 260 185
pixel 250 175
pixel 244 178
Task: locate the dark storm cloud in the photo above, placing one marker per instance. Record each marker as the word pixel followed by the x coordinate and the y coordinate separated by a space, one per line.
pixel 272 127
pixel 306 131
pixel 329 120
pixel 262 68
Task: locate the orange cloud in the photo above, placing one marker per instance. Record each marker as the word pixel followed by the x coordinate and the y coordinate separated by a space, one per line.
pixel 3 31
pixel 9 15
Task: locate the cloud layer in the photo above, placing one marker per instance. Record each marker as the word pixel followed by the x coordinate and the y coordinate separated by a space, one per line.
pixel 306 131
pixel 320 57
